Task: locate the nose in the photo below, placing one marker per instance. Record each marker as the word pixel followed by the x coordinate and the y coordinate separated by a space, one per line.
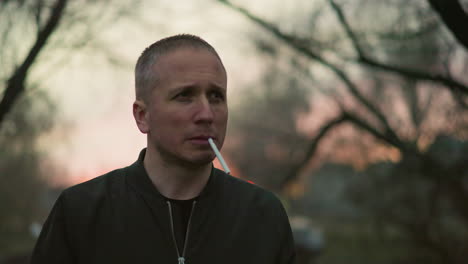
pixel 204 113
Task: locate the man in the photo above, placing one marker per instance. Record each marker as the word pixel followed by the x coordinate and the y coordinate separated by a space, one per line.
pixel 171 205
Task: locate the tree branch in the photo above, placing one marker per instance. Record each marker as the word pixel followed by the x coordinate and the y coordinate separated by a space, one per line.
pixel 344 117
pixel 312 149
pixel 454 17
pixel 16 84
pixel 347 28
pixel 298 46
pixel 450 83
pixel 385 137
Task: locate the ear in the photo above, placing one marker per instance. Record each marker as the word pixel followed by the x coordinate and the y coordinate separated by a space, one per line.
pixel 140 114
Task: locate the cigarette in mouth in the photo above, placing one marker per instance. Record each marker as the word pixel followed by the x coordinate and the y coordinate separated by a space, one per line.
pixel 218 155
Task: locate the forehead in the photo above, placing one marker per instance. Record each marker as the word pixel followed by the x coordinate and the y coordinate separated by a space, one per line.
pixel 189 59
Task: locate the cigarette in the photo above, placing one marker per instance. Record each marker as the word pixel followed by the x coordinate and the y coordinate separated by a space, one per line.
pixel 218 155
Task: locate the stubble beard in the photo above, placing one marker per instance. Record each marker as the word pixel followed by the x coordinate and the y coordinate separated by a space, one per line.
pixel 172 159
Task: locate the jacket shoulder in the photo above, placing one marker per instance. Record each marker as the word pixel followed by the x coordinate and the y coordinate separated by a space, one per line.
pixel 96 188
pixel 251 193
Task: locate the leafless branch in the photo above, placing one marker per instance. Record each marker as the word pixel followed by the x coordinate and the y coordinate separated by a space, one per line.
pixel 347 28
pixel 16 84
pixel 454 17
pixel 323 131
pixel 449 83
pixel 344 117
pixel 305 50
pixel 38 5
pixel 387 137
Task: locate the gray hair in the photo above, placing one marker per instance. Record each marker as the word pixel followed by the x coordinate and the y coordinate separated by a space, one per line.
pixel 145 77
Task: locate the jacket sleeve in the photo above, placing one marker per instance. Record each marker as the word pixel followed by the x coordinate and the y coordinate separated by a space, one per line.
pixel 287 254
pixel 288 251
pixel 52 245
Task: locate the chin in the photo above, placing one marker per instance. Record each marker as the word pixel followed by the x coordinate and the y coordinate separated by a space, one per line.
pixel 201 160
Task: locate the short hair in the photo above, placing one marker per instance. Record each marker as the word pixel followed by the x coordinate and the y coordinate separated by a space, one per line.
pixel 145 77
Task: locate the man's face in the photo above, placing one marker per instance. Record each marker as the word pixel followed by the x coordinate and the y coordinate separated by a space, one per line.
pixel 187 106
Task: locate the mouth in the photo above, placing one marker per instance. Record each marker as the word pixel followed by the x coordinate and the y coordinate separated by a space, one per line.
pixel 201 140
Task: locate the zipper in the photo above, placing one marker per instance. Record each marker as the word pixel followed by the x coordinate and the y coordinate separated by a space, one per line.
pixel 180 258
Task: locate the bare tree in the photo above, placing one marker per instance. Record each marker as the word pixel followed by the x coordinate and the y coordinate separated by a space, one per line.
pixel 16 83
pixel 30 29
pixel 383 130
pixel 50 23
pixel 428 91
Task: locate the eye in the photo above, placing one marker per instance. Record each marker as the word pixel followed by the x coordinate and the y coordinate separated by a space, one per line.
pixel 216 96
pixel 183 95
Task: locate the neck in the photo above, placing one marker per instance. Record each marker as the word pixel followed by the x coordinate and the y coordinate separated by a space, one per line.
pixel 173 180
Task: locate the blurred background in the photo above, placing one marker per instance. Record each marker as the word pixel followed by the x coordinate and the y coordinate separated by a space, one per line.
pixel 354 112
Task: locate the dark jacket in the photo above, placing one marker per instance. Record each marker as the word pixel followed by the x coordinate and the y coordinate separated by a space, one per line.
pixel 120 217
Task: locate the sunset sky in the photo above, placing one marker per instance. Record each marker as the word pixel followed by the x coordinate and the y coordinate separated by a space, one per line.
pixel 96 132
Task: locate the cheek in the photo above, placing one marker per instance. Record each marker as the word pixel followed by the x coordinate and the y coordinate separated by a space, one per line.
pixel 169 121
pixel 223 116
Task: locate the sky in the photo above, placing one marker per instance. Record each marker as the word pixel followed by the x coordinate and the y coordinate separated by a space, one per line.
pixel 96 132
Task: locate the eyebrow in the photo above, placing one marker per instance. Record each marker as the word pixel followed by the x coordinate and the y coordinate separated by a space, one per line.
pixel 217 88
pixel 177 90
pixel 213 87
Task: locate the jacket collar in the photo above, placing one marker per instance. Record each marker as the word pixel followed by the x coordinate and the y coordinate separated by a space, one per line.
pixel 138 178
